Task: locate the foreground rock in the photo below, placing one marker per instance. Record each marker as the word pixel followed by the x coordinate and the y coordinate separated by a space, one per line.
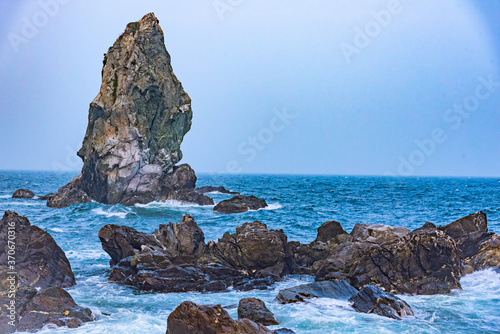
pixel 23 193
pixel 135 128
pixel 40 262
pixel 201 319
pixel 221 189
pixel 255 310
pixel 372 299
pixel 240 203
pixel 175 257
pixel 41 270
pixel 326 289
pixel 51 306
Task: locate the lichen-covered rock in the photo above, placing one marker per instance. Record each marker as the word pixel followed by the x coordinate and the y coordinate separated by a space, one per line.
pixel 23 193
pixel 372 299
pixel 240 203
pixel 325 289
pixel 202 319
pixel 255 310
pixel 40 262
pixel 136 125
pixel 378 233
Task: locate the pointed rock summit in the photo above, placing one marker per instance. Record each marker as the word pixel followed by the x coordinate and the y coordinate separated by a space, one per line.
pixel 136 126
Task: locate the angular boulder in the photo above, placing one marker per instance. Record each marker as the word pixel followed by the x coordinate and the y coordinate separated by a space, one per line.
pixel 330 230
pixel 378 233
pixel 372 299
pixel 202 319
pixel 255 248
pixel 255 310
pixel 240 203
pixel 68 194
pixel 39 261
pixel 23 193
pixel 325 289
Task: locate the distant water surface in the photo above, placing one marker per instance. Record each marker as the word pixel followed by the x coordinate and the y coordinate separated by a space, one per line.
pixel 298 205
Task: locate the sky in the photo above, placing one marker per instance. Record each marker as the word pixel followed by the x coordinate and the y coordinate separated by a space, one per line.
pixel 341 87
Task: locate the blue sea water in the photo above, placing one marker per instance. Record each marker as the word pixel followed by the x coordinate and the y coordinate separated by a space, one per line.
pixel 298 205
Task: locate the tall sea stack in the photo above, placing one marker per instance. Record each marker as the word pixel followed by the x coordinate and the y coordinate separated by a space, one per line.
pixel 136 125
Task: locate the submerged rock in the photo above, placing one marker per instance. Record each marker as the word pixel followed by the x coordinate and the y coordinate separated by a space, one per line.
pixel 136 125
pixel 221 189
pixel 23 193
pixel 255 310
pixel 372 299
pixel 202 319
pixel 240 203
pixel 39 261
pixel 326 289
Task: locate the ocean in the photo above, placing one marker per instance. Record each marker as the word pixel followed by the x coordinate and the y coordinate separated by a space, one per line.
pixel 298 204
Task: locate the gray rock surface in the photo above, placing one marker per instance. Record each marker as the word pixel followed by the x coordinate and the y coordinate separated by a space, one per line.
pixel 326 289
pixel 372 299
pixel 240 203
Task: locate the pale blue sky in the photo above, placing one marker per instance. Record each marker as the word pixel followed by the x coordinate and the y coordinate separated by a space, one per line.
pixel 372 111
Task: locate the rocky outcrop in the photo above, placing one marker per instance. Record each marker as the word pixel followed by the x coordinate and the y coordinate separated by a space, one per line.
pixel 40 270
pixel 136 125
pixel 255 248
pixel 175 258
pixel 329 231
pixel 378 233
pixel 426 261
pixel 221 189
pixel 23 193
pixel 326 289
pixel 240 203
pixel 202 319
pixel 69 194
pixel 40 262
pixel 372 299
pixel 255 310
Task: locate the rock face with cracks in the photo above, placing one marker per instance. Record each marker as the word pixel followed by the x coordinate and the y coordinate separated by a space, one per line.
pixel 136 125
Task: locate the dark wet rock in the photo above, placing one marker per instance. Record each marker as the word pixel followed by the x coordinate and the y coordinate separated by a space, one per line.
pixel 240 203
pixel 283 331
pixel 255 310
pixel 221 189
pixel 476 222
pixel 40 262
pixel 136 125
pixel 331 230
pixel 46 197
pixel 326 289
pixel 202 319
pixel 480 249
pixel 426 261
pixel 255 248
pixel 69 194
pixel 53 306
pixel 372 299
pixel 23 193
pixel 306 258
pixel 378 233
pixel 174 258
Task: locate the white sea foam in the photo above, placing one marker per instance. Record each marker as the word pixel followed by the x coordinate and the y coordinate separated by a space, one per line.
pixel 92 254
pixel 272 206
pixel 111 213
pixel 24 203
pixel 5 196
pixel 56 229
